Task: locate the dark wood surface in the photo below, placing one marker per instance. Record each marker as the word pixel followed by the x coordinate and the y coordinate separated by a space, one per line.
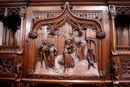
pixel 87 45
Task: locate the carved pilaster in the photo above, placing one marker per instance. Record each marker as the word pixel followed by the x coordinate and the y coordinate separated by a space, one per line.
pixel 22 14
pixel 113 30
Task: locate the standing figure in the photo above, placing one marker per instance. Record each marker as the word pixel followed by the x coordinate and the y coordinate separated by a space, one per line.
pixel 68 61
pixel 44 53
pixel 52 54
pixel 91 57
pixel 80 51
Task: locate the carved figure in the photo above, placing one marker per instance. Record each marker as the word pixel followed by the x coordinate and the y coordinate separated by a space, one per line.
pixel 68 61
pixel 91 57
pixel 52 54
pixel 43 51
pixel 69 44
pixel 80 51
pixel 115 71
pixel 112 8
pixel 18 69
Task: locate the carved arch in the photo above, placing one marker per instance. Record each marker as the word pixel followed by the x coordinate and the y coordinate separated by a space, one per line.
pixel 67 16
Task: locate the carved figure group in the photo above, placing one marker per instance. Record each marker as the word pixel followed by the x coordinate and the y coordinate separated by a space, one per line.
pixel 48 54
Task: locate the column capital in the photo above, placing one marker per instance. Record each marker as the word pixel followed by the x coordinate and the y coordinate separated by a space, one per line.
pixel 22 11
pixel 112 10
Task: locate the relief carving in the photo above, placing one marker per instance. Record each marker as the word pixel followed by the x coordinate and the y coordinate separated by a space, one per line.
pixel 115 70
pixel 18 67
pixel 73 56
pixel 66 45
pixel 125 67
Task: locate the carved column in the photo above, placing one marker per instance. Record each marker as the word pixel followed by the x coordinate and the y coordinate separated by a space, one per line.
pixel 22 14
pixel 4 30
pixel 113 30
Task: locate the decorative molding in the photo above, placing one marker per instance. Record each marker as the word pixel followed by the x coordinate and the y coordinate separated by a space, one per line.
pixel 62 77
pixel 123 49
pixel 101 85
pixel 91 14
pixel 66 84
pixel 30 84
pixel 9 48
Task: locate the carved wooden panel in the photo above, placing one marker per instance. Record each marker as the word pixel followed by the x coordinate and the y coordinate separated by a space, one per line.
pixel 65 45
pixel 6 65
pixel 125 63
